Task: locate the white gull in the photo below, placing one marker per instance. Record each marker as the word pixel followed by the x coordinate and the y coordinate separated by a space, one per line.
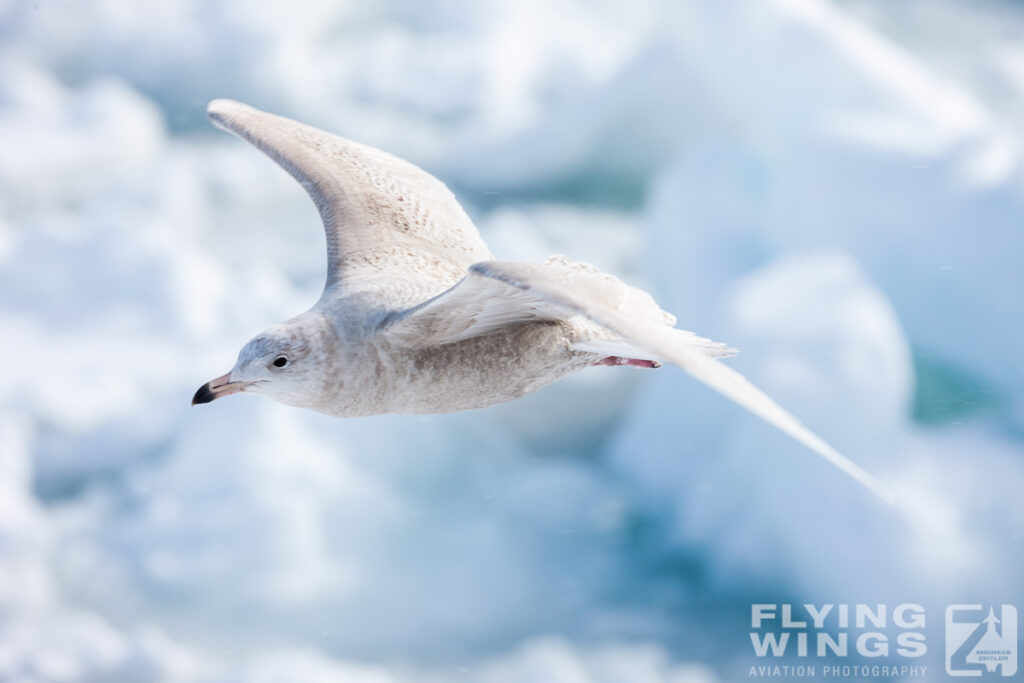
pixel 417 316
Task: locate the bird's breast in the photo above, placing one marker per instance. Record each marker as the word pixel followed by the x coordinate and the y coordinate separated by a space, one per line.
pixel 477 372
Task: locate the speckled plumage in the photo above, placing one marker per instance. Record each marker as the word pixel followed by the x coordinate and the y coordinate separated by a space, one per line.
pixel 417 317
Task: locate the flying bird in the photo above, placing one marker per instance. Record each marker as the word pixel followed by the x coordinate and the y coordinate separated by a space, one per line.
pixel 417 316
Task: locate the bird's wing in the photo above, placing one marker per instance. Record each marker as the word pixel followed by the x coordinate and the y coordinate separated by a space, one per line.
pixel 480 305
pixel 394 231
pixel 495 294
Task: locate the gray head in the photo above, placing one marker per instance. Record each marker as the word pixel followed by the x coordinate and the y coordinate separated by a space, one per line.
pixel 283 363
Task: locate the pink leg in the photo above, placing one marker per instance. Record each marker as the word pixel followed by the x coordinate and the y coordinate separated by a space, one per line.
pixel 635 362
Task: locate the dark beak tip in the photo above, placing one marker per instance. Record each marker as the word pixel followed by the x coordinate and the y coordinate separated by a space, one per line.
pixel 203 395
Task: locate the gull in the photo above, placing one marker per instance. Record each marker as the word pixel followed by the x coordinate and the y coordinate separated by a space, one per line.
pixel 417 316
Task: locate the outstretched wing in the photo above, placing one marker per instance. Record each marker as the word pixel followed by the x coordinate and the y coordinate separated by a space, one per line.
pixel 481 305
pixel 561 290
pixel 390 225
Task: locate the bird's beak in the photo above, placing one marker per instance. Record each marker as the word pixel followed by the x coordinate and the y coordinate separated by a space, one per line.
pixel 215 388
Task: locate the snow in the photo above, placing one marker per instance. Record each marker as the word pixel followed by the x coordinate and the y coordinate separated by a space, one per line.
pixel 834 188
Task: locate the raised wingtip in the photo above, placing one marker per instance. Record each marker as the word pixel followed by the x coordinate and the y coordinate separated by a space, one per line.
pixel 220 111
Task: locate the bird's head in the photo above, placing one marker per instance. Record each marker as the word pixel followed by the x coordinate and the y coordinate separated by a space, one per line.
pixel 285 363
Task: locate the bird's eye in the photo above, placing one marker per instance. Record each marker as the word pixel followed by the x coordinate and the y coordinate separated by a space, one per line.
pixel 280 362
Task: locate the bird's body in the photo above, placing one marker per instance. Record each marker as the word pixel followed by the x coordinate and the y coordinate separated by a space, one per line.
pixel 476 372
pixel 418 317
pixel 367 372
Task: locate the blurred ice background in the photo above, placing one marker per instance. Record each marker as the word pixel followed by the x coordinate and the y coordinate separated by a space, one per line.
pixel 836 188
